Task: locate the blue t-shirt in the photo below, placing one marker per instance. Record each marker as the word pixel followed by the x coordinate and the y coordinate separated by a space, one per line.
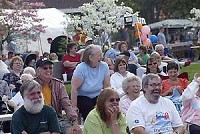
pixel 162 39
pixel 92 78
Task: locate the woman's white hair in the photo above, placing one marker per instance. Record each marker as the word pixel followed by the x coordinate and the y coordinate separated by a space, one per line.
pixel 29 70
pixel 26 77
pixel 128 79
pixel 159 45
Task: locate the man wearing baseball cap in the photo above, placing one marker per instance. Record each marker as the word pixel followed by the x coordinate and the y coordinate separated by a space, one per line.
pixel 88 41
pixel 55 95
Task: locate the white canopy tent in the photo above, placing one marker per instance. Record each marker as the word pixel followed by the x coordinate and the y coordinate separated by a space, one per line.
pixel 52 19
pixel 173 23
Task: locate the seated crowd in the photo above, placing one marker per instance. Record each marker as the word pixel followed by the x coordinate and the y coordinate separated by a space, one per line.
pixel 116 92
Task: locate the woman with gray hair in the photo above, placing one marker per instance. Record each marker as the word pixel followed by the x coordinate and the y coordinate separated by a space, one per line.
pixel 131 86
pixel 29 70
pixel 89 77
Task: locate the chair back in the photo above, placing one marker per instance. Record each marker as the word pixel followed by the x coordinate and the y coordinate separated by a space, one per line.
pixel 183 75
pixel 58 70
pixel 132 68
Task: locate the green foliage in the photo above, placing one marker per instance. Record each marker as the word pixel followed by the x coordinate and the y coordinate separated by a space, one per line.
pixel 150 9
pixel 62 47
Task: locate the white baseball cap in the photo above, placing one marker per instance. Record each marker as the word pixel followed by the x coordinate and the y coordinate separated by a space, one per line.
pixel 88 39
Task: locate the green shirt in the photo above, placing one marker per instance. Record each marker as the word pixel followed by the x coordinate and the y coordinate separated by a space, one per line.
pixel 44 121
pixel 95 125
pixel 142 58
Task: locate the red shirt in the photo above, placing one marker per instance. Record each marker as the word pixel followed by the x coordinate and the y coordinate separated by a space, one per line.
pixel 166 85
pixel 67 57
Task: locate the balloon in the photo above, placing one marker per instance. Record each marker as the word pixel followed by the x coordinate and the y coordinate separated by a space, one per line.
pixel 138 25
pixel 143 37
pixel 147 42
pixel 154 38
pixel 145 29
pixel 137 34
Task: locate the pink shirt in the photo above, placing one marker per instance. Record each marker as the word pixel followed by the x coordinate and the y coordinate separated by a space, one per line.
pixel 191 104
pixel 124 104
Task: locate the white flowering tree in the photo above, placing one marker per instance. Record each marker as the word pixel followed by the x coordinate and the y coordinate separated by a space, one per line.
pixel 196 13
pixel 101 15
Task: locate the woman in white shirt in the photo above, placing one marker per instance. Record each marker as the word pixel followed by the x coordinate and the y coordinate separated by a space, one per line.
pixel 120 74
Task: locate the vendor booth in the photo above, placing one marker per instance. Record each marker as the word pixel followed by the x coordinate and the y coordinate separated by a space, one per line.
pixel 180 35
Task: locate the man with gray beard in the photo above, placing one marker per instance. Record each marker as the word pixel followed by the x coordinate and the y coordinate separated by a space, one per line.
pixel 34 117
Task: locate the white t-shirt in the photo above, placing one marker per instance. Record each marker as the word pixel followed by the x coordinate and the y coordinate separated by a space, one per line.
pixel 140 71
pixel 116 81
pixel 155 118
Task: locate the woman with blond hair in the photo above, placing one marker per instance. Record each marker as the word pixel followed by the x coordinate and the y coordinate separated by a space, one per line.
pixel 106 117
pixel 16 66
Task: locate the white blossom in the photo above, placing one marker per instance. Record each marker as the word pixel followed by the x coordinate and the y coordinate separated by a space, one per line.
pixel 196 13
pixel 101 14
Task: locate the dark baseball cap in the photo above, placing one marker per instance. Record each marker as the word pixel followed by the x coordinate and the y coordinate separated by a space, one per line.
pixel 43 61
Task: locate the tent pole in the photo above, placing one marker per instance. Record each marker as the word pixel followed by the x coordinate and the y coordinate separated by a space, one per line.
pixel 40 43
pixel 167 34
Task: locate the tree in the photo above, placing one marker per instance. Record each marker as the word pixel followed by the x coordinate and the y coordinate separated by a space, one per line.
pixel 102 15
pixel 195 13
pixel 22 21
pixel 156 10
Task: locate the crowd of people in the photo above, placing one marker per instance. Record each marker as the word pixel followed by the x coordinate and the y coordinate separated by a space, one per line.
pixel 115 92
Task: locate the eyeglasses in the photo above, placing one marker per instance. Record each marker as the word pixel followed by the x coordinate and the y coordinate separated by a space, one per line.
pixel 19 63
pixel 46 68
pixel 114 99
pixel 152 63
pixel 159 50
pixel 136 86
pixel 154 85
pixel 33 61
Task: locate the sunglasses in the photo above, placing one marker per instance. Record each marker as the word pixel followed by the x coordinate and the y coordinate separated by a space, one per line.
pixel 114 99
pixel 152 63
pixel 46 68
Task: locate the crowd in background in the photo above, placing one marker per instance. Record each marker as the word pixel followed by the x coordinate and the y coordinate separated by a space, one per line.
pixel 114 91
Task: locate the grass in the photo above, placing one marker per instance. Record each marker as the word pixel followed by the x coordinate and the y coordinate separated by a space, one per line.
pixel 191 69
pixel 68 88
